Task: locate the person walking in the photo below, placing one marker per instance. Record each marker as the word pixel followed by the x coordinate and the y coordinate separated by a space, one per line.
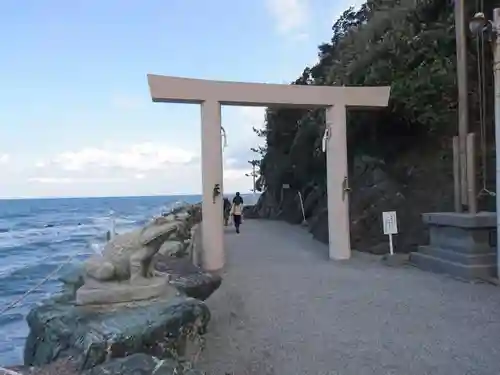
pixel 238 199
pixel 227 211
pixel 237 210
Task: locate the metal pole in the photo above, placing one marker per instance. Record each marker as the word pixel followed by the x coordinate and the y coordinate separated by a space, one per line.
pixel 496 72
pixel 463 99
pixel 471 173
pixel 253 175
pixel 112 231
pixel 456 174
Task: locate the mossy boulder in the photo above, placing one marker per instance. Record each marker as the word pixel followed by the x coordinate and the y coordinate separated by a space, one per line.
pixel 95 334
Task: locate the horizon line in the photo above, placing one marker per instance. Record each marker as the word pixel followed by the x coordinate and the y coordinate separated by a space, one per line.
pixel 113 196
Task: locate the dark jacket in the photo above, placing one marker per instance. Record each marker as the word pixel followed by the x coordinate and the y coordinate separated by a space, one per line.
pixel 238 199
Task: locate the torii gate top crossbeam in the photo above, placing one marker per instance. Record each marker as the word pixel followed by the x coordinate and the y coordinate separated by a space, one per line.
pixel 196 91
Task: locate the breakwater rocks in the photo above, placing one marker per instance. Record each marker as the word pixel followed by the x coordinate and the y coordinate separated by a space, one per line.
pixel 137 308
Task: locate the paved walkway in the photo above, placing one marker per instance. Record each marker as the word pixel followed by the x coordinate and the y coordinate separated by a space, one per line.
pixel 284 309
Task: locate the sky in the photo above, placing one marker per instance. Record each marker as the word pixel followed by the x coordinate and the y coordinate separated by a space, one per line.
pixel 76 118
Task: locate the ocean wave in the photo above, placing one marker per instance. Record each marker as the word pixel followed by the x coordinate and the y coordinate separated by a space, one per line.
pixel 41 234
pixel 36 236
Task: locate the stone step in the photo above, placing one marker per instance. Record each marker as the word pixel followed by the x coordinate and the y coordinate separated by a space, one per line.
pixel 469 272
pixel 467 259
pixel 462 240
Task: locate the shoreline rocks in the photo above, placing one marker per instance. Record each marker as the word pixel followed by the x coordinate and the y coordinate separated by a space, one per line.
pixel 129 336
pixel 141 364
pixel 93 335
pixel 188 278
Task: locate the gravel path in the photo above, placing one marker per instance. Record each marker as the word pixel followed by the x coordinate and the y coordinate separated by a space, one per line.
pixel 284 309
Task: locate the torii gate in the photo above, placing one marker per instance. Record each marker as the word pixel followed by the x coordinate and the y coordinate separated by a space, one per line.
pixel 212 94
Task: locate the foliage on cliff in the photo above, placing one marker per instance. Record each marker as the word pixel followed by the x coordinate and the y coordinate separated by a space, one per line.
pixel 407 44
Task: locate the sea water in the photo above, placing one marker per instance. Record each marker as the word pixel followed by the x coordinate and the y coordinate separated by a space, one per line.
pixel 37 235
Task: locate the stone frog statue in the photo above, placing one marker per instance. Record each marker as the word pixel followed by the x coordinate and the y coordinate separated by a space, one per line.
pixel 129 256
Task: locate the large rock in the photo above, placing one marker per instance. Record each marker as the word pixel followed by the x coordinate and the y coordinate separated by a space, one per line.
pixel 188 278
pixel 250 212
pixel 150 335
pixel 318 223
pixel 72 278
pixel 93 335
pixel 267 207
pixel 290 209
pixel 141 364
pixel 172 248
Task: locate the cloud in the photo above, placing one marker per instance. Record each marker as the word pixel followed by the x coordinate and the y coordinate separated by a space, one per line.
pixel 290 15
pixel 4 158
pixel 301 36
pixel 315 61
pixel 70 180
pixel 253 116
pixel 115 168
pixel 236 180
pixel 238 122
pixel 235 174
pixel 138 157
pixel 241 137
pixel 147 168
pixel 51 180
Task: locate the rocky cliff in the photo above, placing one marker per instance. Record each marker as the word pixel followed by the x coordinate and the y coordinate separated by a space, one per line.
pixel 400 158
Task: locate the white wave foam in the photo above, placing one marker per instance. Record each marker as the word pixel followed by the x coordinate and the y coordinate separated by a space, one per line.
pixel 96 247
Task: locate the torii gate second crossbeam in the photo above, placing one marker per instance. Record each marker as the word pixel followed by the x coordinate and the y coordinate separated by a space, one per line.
pixel 212 94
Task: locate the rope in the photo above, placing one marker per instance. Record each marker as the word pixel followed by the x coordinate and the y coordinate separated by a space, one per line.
pixel 47 278
pixel 481 72
pixel 44 259
pixel 25 266
pixel 302 206
pixel 224 134
pixel 43 281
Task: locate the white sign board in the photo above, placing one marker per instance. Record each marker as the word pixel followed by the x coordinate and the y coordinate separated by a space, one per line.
pixel 286 186
pixel 390 221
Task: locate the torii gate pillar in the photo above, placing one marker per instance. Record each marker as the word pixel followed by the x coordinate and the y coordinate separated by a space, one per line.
pixel 212 229
pixel 212 94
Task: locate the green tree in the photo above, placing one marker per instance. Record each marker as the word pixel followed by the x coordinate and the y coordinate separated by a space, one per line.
pixel 409 45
